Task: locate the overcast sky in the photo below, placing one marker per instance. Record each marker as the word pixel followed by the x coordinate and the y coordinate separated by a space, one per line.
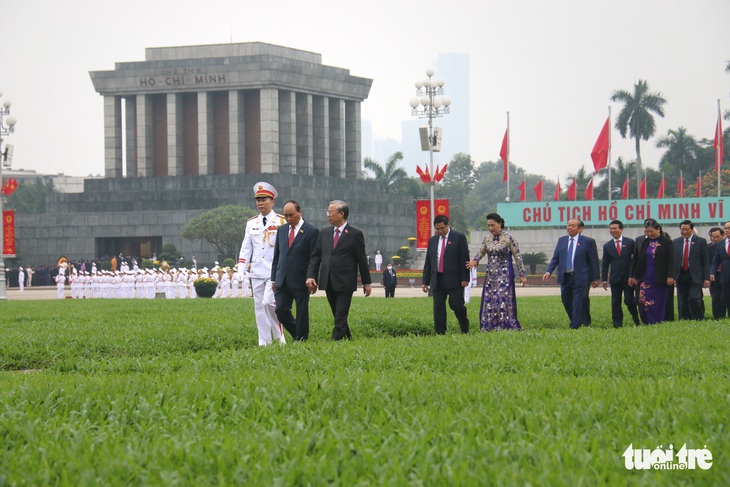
pixel 552 64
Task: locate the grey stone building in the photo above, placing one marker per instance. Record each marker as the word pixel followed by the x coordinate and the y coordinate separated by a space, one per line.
pixel 201 125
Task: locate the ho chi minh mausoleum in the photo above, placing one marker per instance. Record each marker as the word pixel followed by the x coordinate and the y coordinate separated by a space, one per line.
pixel 192 128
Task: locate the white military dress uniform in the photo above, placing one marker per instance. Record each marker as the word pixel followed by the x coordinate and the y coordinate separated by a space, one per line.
pixel 257 253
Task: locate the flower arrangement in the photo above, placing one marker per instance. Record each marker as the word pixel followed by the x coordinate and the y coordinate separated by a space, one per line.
pixel 205 287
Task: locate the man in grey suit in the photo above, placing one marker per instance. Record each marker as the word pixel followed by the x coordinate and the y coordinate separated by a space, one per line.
pixel 338 255
pixel 692 267
pixel 295 243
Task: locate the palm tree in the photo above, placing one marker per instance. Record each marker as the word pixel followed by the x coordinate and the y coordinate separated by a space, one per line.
pixel 391 176
pixel 682 152
pixel 636 116
pixel 581 180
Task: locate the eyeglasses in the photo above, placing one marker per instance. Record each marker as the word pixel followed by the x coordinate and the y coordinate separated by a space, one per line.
pixel 329 213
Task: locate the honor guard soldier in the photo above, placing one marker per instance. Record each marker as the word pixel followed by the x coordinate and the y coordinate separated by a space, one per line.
pixel 257 253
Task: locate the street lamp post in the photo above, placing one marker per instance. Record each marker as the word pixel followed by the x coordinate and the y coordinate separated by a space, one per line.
pixel 426 104
pixel 7 126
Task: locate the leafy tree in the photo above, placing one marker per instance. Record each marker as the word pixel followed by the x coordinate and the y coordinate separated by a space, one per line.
pixel 683 153
pixel 619 171
pixel 581 178
pixel 709 184
pixel 31 198
pixel 487 192
pixel 636 117
pixel 223 228
pixel 414 187
pixel 532 260
pixel 457 183
pixel 170 254
pixel 391 176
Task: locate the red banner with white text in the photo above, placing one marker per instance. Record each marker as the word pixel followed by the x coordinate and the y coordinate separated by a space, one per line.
pixel 424 222
pixel 9 233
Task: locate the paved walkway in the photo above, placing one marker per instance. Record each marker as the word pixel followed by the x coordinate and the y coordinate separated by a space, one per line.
pixel 49 292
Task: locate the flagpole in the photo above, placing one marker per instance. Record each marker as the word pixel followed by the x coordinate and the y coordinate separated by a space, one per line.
pixel 681 182
pixel 610 188
pixel 508 147
pixel 718 151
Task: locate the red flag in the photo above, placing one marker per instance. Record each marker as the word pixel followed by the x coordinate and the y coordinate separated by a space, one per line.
pixel 422 175
pixel 521 187
pixel 662 188
pixel 719 143
pixel 439 175
pixel 504 154
pixel 427 175
pixel 572 190
pixel 538 191
pixel 680 187
pixel 589 190
pixel 10 186
pixel 556 195
pixel 642 189
pixel 625 189
pixel 599 154
pixel 698 193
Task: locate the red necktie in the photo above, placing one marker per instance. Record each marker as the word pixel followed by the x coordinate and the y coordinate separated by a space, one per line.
pixel 291 235
pixel 618 247
pixel 441 257
pixel 728 248
pixel 685 260
pixel 337 238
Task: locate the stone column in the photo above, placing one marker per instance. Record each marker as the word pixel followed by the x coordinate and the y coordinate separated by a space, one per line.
pixel 287 132
pixel 205 149
pixel 130 131
pixel 336 138
pixel 352 139
pixel 143 136
pixel 305 146
pixel 236 132
pixel 269 130
pixel 112 136
pixel 174 138
pixel 320 122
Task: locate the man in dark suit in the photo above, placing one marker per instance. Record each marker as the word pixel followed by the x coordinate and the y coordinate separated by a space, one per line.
pixel 616 263
pixel 721 260
pixel 445 273
pixel 719 308
pixel 576 261
pixel 295 243
pixel 390 281
pixel 338 255
pixel 692 272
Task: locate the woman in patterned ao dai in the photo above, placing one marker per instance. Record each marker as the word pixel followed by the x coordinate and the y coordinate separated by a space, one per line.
pixel 498 310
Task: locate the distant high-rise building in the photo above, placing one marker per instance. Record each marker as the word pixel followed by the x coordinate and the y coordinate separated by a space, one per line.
pixel 453 68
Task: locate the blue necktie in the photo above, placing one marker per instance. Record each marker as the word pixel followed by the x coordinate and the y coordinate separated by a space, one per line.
pixel 569 264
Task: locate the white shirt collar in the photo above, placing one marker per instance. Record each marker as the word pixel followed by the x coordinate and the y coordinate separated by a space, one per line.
pixel 298 226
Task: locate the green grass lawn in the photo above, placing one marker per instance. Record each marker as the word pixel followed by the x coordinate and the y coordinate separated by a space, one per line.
pixel 136 392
